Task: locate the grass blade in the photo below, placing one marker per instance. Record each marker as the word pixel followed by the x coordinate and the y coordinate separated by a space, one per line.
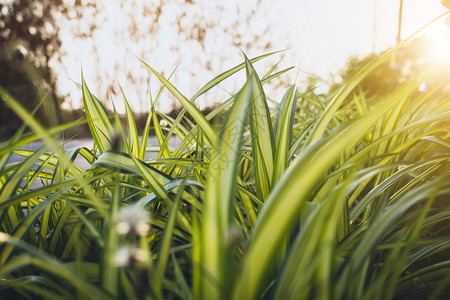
pixel 190 108
pixel 262 135
pixel 98 119
pixel 283 131
pixel 215 270
pixel 132 129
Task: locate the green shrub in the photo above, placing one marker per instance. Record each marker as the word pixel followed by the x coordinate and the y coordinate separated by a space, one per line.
pixel 307 200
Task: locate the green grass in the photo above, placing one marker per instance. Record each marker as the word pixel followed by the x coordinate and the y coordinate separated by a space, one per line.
pixel 311 199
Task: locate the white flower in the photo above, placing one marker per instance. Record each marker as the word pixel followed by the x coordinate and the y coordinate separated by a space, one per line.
pixel 128 256
pixel 3 237
pixel 133 219
pixel 122 258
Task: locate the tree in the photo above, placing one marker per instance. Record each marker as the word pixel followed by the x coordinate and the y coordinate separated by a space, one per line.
pixel 417 57
pixel 205 35
pixel 446 3
pixel 28 41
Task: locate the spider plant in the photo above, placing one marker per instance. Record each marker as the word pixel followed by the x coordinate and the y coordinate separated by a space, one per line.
pixel 308 199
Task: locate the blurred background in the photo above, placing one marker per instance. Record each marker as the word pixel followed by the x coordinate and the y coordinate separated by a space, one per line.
pixel 45 46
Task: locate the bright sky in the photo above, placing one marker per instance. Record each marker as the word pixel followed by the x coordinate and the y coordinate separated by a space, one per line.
pixel 321 35
pixel 329 31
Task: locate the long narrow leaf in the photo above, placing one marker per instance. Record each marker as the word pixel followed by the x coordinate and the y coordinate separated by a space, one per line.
pixel 215 270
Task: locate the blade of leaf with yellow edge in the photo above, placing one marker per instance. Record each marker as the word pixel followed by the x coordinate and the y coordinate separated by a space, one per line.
pixel 145 134
pixel 166 242
pixel 216 80
pixel 133 136
pixel 309 261
pixel 283 131
pixel 262 134
pixel 109 271
pixel 189 106
pixel 214 251
pixel 98 119
pixel 164 148
pixel 124 163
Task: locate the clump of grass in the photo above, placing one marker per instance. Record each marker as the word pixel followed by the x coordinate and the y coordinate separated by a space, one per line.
pixel 301 201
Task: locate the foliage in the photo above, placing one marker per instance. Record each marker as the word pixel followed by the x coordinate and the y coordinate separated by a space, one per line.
pixel 445 3
pixel 415 58
pixel 212 31
pixel 306 200
pixel 29 40
pixel 31 22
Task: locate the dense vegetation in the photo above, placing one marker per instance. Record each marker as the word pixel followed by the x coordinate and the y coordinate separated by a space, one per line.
pixel 308 198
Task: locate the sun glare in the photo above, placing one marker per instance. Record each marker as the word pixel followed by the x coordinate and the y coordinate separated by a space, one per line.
pixel 438 49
